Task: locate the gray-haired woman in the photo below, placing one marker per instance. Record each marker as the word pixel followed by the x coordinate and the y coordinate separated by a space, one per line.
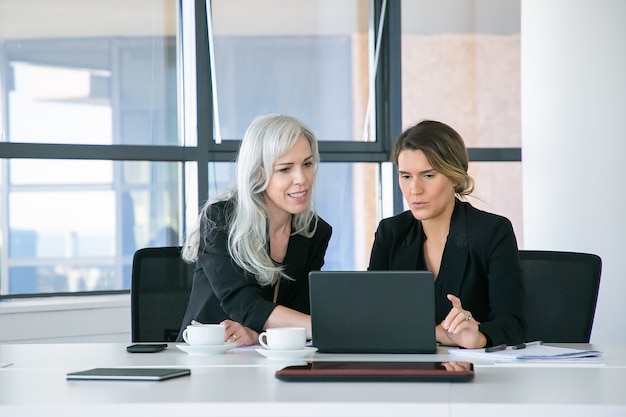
pixel 255 244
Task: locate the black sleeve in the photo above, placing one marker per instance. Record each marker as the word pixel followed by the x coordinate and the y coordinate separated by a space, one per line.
pixel 379 257
pixel 506 322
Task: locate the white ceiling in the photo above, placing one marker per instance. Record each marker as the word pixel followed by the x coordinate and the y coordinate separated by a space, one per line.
pixel 24 19
pixel 27 19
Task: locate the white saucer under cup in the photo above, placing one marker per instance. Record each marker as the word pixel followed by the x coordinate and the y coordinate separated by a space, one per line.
pixel 283 338
pixel 205 350
pixel 284 355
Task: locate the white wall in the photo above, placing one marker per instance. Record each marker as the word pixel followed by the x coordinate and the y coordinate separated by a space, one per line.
pixel 98 318
pixel 574 140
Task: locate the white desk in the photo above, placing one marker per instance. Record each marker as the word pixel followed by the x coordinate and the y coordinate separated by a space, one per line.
pixel 242 383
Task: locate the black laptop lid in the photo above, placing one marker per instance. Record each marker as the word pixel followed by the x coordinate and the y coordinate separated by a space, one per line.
pixel 373 311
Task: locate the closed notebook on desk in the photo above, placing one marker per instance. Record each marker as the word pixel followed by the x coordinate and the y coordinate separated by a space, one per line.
pixel 129 374
pixel 373 311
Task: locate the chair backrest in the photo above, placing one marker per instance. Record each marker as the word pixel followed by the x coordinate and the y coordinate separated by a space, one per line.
pixel 160 287
pixel 561 294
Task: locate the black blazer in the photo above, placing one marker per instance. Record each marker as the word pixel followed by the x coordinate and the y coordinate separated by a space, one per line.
pixel 480 265
pixel 222 290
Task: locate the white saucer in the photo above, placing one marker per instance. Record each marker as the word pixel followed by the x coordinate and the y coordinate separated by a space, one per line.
pixel 287 354
pixel 206 350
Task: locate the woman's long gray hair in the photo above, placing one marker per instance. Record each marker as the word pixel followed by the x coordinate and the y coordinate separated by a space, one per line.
pixel 266 139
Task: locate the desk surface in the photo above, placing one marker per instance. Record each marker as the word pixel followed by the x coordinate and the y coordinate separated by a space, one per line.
pixel 242 383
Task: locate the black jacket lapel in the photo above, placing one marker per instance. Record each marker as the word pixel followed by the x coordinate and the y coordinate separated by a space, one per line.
pixel 456 253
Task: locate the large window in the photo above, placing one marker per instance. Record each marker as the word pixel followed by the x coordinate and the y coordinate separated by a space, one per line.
pixel 120 118
pixel 82 94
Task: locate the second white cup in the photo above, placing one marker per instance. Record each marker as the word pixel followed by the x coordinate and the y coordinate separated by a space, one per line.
pixel 204 334
pixel 283 338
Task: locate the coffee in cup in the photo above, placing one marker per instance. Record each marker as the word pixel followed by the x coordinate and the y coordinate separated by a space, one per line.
pixel 204 334
pixel 283 338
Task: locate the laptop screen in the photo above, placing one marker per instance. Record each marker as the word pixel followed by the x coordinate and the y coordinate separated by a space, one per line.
pixel 373 311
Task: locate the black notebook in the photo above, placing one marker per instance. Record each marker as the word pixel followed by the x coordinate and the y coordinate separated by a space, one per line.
pixel 129 374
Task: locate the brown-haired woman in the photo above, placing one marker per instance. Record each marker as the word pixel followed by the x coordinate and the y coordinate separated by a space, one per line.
pixel 473 254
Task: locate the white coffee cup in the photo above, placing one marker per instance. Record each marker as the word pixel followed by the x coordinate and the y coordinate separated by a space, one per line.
pixel 283 338
pixel 204 334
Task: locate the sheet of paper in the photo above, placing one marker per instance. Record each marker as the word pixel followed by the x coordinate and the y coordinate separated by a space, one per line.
pixel 549 363
pixel 534 352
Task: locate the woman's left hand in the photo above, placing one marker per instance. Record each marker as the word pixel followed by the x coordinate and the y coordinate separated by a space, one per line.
pixel 461 328
pixel 238 334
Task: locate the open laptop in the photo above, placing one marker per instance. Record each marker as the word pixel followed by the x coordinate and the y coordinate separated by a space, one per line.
pixel 373 311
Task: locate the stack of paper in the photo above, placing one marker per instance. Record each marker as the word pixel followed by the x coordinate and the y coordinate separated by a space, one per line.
pixel 534 352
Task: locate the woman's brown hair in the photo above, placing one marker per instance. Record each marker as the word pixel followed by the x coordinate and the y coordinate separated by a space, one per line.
pixel 443 147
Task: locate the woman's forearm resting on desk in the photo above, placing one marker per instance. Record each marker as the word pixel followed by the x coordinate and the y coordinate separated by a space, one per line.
pixel 282 316
pixel 473 341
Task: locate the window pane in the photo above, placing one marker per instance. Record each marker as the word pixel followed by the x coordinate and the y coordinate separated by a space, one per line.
pixel 104 73
pixel 499 190
pixel 308 59
pixel 346 199
pixel 28 171
pixel 65 227
pixel 461 66
pixel 91 76
pixel 74 225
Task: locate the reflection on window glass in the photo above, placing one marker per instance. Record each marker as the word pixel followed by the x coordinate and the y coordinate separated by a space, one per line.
pixel 61 278
pixel 100 75
pixel 93 76
pixel 306 59
pixel 28 171
pixel 461 65
pixel 221 177
pixel 47 106
pixel 63 224
pixel 74 232
pixel 349 201
pixel 498 190
pixel 346 199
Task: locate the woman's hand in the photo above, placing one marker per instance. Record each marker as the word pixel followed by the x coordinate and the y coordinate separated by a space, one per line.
pixel 238 334
pixel 456 366
pixel 459 328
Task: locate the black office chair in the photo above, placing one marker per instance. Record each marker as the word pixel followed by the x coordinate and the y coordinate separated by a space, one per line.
pixel 561 294
pixel 160 287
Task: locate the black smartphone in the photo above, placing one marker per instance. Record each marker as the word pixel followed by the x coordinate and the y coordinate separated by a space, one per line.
pixel 146 347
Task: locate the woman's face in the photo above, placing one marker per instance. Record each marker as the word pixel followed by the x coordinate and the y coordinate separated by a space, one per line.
pixel 429 194
pixel 289 189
